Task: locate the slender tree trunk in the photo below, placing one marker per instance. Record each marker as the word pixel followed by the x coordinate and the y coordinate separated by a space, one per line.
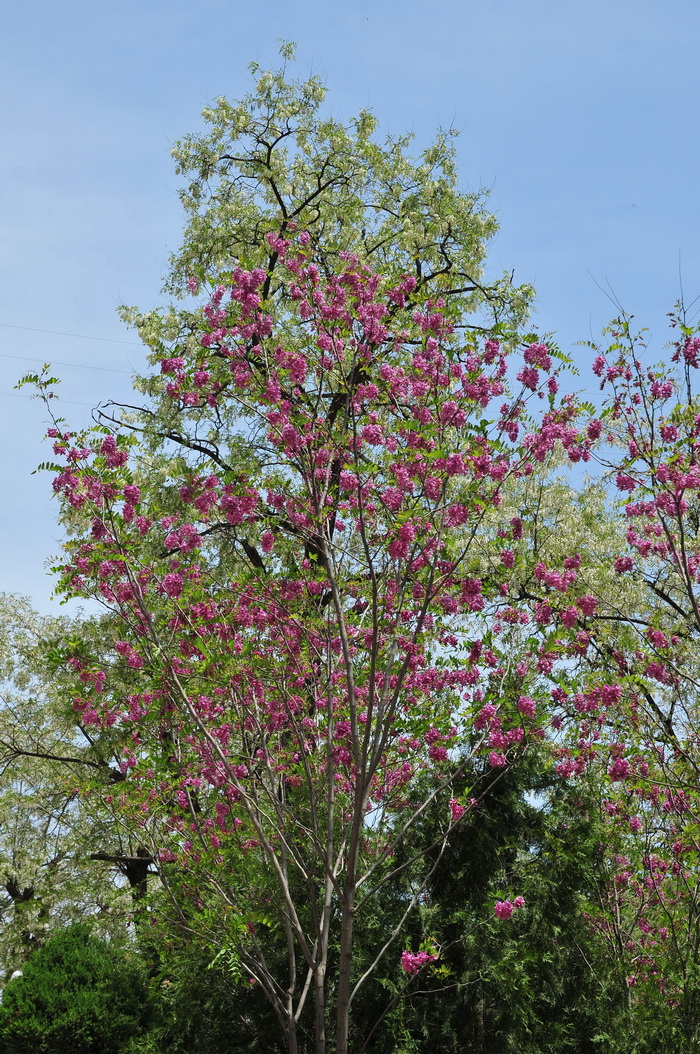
pixel 346 937
pixel 291 1032
pixel 320 1008
pixel 347 922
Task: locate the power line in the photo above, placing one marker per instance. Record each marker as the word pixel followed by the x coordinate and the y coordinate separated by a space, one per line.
pixel 80 336
pixel 56 362
pixel 64 402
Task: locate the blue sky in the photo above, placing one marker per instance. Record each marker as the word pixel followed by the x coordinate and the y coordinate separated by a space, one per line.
pixel 580 116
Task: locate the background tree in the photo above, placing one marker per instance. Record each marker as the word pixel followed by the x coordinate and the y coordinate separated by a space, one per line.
pixel 76 993
pixel 56 781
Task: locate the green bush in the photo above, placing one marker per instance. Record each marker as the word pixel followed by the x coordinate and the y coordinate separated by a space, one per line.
pixel 76 995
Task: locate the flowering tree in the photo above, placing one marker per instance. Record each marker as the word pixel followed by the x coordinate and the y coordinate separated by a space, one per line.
pixel 651 419
pixel 286 704
pixel 626 703
pixel 300 540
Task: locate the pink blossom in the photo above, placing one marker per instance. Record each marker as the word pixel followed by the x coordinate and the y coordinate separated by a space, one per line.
pixel 438 753
pixel 504 909
pixel 457 811
pixel 625 482
pixel 545 664
pixel 399 548
pixel 291 438
pixel 526 706
pixel 619 769
pixel 171 365
pixel 485 716
pixel 538 355
pixel 587 604
pixel 529 377
pixel 391 496
pixel 413 962
pixel 433 488
pixel 658 671
pixel 132 494
pixel 109 449
pixel 661 390
pixel 172 585
pixel 372 434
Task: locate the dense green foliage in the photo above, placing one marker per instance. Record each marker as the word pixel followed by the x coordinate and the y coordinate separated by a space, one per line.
pixel 75 994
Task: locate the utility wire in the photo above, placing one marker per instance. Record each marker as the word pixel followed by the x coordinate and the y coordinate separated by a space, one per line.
pixel 78 365
pixel 64 402
pixel 80 336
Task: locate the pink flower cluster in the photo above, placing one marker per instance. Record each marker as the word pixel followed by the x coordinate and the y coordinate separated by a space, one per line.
pixel 504 909
pixel 413 962
pixel 457 811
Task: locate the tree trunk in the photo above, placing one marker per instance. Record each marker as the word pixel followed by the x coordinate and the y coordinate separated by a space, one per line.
pixel 343 1008
pixel 291 1034
pixel 320 1008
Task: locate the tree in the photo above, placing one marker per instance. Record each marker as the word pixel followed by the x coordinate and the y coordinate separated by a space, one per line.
pixel 651 426
pixel 530 983
pixel 50 830
pixel 626 702
pixel 76 993
pixel 299 541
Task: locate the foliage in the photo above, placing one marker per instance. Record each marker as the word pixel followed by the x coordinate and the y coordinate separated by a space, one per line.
pixel 274 161
pixel 201 1005
pixel 49 828
pixel 522 982
pixel 77 993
